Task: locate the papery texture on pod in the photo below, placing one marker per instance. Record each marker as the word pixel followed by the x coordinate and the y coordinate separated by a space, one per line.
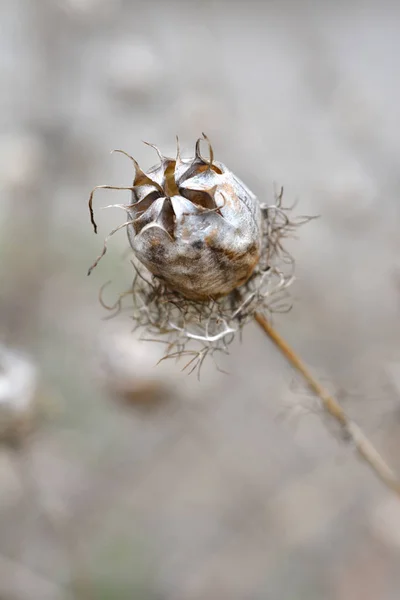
pixel 195 225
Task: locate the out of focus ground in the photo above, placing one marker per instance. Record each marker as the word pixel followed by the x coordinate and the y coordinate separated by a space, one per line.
pixel 232 488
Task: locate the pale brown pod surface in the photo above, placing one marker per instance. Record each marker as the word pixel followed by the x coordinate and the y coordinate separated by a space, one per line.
pixel 195 225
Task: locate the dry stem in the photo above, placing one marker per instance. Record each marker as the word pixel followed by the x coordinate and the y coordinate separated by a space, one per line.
pixel 353 433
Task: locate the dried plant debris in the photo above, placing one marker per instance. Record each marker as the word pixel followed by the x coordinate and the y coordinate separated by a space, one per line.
pixel 207 255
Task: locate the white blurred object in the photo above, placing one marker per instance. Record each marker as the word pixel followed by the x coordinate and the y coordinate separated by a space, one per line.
pixel 133 68
pixel 18 394
pixel 21 160
pixel 129 368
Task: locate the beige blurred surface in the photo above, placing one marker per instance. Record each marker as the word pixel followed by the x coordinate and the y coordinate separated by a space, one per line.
pixel 143 483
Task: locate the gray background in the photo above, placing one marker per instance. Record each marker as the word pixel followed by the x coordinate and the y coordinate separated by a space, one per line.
pixel 235 487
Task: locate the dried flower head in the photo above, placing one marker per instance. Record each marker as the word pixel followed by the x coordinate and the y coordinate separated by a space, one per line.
pixel 207 254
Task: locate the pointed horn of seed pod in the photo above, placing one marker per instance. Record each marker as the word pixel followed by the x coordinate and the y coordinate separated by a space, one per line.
pixel 165 161
pixel 157 149
pixel 211 151
pixel 178 160
pixel 140 176
pixel 181 167
pixel 199 155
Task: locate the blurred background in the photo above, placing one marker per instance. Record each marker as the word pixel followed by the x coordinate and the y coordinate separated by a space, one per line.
pixel 121 480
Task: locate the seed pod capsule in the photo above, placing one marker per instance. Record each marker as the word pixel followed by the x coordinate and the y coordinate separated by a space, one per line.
pixel 195 225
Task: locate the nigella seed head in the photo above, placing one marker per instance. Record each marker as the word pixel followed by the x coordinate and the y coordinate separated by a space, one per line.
pixel 195 225
pixel 207 254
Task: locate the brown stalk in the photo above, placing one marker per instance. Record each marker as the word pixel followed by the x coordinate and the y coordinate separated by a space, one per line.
pixel 352 432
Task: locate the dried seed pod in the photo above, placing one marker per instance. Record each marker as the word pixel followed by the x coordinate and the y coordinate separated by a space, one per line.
pixel 215 254
pixel 195 225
